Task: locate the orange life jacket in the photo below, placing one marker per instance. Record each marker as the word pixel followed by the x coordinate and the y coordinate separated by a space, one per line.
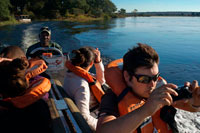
pixel 35 68
pixel 37 88
pixel 94 84
pixel 129 102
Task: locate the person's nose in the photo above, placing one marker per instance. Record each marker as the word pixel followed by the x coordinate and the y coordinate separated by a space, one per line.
pixel 152 83
pixel 45 36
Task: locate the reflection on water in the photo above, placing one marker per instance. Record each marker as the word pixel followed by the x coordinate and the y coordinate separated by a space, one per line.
pixel 176 39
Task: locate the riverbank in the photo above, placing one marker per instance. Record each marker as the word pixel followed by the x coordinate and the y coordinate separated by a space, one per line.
pixel 80 18
pixel 9 22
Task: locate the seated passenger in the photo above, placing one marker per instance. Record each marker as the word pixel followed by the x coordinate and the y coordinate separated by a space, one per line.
pixel 78 82
pixel 21 105
pixel 139 99
pixel 30 74
pixel 19 109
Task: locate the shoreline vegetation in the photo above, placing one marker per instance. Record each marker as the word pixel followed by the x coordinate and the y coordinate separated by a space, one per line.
pixel 80 19
pixel 70 10
pixel 87 18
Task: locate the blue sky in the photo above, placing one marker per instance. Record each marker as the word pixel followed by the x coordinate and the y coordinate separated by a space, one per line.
pixel 158 5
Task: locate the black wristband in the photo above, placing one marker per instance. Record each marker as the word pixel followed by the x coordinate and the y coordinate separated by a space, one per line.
pixel 97 61
pixel 195 106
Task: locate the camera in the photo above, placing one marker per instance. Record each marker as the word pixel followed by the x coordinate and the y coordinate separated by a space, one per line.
pixel 183 93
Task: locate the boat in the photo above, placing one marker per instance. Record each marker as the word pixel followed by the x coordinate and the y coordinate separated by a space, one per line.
pixel 23 18
pixel 65 115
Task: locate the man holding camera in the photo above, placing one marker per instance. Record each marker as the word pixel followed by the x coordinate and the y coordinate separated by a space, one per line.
pixel 140 96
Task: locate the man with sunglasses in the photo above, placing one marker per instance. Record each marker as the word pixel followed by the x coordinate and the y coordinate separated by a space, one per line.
pixel 45 41
pixel 139 95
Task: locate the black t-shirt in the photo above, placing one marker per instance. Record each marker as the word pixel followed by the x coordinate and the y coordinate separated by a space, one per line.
pixel 34 118
pixel 109 104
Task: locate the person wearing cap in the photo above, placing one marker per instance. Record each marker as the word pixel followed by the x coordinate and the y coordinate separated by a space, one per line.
pixel 45 41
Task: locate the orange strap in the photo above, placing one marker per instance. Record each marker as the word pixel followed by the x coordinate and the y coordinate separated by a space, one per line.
pixel 79 71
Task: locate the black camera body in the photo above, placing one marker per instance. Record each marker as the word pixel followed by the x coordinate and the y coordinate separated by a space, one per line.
pixel 183 93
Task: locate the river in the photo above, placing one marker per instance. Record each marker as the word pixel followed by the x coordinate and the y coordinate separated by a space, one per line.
pixel 176 39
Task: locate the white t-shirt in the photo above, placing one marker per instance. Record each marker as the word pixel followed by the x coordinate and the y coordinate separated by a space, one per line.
pixel 78 90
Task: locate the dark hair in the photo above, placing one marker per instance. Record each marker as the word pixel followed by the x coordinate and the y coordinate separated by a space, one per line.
pixel 12 78
pixel 12 52
pixel 83 57
pixel 142 55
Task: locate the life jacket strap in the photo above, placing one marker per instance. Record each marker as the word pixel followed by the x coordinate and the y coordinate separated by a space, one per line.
pixel 92 83
pixel 123 93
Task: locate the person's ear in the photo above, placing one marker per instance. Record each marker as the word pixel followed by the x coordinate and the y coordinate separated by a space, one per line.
pixel 126 76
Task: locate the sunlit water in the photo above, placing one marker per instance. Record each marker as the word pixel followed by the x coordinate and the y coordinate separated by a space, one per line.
pixel 176 39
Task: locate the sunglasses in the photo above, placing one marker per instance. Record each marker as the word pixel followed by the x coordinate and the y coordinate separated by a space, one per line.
pixel 146 79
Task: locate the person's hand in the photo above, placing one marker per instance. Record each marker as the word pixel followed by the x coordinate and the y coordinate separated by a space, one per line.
pixel 195 89
pixel 160 97
pixel 97 55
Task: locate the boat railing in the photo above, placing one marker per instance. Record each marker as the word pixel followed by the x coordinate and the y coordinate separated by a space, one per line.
pixel 66 117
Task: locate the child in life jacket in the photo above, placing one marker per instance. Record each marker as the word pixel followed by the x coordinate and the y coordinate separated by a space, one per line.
pixel 85 87
pixel 138 95
pixel 29 73
pixel 21 99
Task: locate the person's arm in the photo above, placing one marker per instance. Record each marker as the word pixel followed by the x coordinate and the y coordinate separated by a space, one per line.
pixel 100 72
pixel 82 100
pixel 125 124
pixel 129 122
pixel 99 67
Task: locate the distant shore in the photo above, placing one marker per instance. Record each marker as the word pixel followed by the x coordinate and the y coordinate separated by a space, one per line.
pixel 84 18
pixel 80 18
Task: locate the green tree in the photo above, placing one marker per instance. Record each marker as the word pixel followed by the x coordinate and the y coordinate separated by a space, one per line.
pixel 18 5
pixel 108 7
pixel 4 10
pixel 135 12
pixel 122 11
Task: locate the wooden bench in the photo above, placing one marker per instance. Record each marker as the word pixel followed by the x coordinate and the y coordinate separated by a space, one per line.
pixel 65 115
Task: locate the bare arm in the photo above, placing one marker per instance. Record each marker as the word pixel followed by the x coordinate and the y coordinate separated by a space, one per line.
pixel 99 67
pixel 129 122
pixel 125 124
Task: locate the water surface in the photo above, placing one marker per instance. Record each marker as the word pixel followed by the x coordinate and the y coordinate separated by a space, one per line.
pixel 176 39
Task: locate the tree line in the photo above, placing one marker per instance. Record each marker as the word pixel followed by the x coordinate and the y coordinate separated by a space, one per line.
pixel 54 9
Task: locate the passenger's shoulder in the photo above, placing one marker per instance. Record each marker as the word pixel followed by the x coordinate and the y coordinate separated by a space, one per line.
pixel 74 79
pixel 54 43
pixel 34 45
